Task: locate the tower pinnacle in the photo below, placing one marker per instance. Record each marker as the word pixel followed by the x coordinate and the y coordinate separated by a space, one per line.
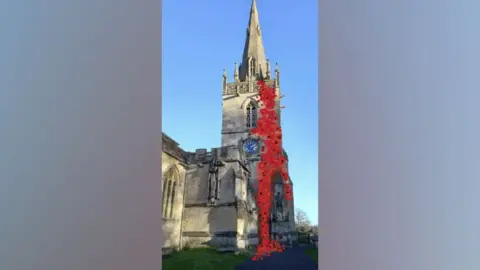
pixel 254 64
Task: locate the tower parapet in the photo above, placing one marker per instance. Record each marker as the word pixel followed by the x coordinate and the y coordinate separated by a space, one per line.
pixel 234 88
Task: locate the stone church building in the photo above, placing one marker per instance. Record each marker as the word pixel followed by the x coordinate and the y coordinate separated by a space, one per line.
pixel 209 196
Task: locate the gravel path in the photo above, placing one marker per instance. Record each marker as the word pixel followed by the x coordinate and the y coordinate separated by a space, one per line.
pixel 291 258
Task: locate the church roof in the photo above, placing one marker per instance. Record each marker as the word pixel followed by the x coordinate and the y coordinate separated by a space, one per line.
pixel 171 147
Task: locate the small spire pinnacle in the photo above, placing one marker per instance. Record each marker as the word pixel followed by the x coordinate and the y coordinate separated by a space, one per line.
pixel 277 75
pixel 253 60
pixel 268 70
pixel 224 79
pixel 235 73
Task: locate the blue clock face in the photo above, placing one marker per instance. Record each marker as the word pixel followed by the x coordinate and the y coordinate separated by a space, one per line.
pixel 251 147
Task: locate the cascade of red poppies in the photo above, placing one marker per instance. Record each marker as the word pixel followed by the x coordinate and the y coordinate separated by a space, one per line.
pixel 272 162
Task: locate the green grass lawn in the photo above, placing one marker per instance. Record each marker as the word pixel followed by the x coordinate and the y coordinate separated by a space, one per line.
pixel 202 259
pixel 313 253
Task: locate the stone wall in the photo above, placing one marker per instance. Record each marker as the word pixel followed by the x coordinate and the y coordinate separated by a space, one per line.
pixel 197 184
pixel 233 220
pixel 221 224
pixel 207 225
pixel 234 111
pixel 171 233
pixel 251 233
pixel 227 188
pixel 171 225
pixel 173 158
pixel 234 118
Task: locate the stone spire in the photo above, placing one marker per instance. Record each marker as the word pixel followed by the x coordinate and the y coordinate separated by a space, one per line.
pixel 254 64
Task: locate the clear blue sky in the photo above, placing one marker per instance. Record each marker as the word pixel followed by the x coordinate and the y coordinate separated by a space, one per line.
pixel 200 39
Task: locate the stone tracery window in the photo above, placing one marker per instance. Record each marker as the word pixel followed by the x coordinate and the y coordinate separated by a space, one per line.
pixel 164 196
pixel 170 180
pixel 251 115
pixel 172 199
pixel 252 67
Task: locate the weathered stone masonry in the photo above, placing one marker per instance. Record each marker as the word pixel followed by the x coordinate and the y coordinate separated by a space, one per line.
pixel 209 196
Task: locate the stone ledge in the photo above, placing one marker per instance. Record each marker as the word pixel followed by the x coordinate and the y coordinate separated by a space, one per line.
pixel 210 234
pixel 191 205
pixel 235 131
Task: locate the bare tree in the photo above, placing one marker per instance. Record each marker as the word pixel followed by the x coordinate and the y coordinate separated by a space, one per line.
pixel 302 222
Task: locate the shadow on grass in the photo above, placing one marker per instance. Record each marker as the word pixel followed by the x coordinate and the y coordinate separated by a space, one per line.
pixel 313 253
pixel 203 259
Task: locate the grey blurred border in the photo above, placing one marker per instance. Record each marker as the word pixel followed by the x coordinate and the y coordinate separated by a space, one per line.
pixel 80 135
pixel 161 127
pixel 319 228
pixel 399 135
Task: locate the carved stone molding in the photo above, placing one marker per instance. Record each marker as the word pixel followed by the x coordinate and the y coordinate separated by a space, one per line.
pixel 244 87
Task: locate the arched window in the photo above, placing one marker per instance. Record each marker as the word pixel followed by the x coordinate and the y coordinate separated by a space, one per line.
pixel 172 197
pixel 251 115
pixel 167 199
pixel 164 197
pixel 252 67
pixel 170 180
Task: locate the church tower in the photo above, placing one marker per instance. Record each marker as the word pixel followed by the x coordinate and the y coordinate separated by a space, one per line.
pixel 209 196
pixel 240 106
pixel 241 110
